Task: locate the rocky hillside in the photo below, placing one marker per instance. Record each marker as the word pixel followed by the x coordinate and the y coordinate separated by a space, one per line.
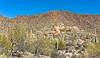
pixel 6 24
pixel 51 35
pixel 87 22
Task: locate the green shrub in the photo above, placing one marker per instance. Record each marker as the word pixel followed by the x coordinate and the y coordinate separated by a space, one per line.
pixel 3 56
pixel 61 44
pixel 19 37
pixel 93 48
pixel 6 43
pixel 42 46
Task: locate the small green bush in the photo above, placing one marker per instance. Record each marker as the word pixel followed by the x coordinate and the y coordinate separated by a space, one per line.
pixel 93 48
pixel 6 43
pixel 61 44
pixel 42 46
pixel 3 56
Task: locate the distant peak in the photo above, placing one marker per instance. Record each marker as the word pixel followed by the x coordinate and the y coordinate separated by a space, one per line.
pixel 59 12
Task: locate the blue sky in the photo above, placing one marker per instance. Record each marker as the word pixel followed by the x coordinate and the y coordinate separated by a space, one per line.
pixel 12 8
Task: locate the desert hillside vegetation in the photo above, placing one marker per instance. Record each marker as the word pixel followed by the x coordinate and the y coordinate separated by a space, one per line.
pixel 52 35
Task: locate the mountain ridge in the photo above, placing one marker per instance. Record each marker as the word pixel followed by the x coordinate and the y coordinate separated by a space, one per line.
pixel 86 22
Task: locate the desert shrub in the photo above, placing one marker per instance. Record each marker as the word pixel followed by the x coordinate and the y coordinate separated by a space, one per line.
pixel 18 38
pixel 6 44
pixel 61 44
pixel 42 46
pixel 3 56
pixel 93 49
pixel 54 54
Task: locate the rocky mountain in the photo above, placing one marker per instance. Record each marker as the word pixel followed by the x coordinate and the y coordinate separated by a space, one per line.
pixel 87 22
